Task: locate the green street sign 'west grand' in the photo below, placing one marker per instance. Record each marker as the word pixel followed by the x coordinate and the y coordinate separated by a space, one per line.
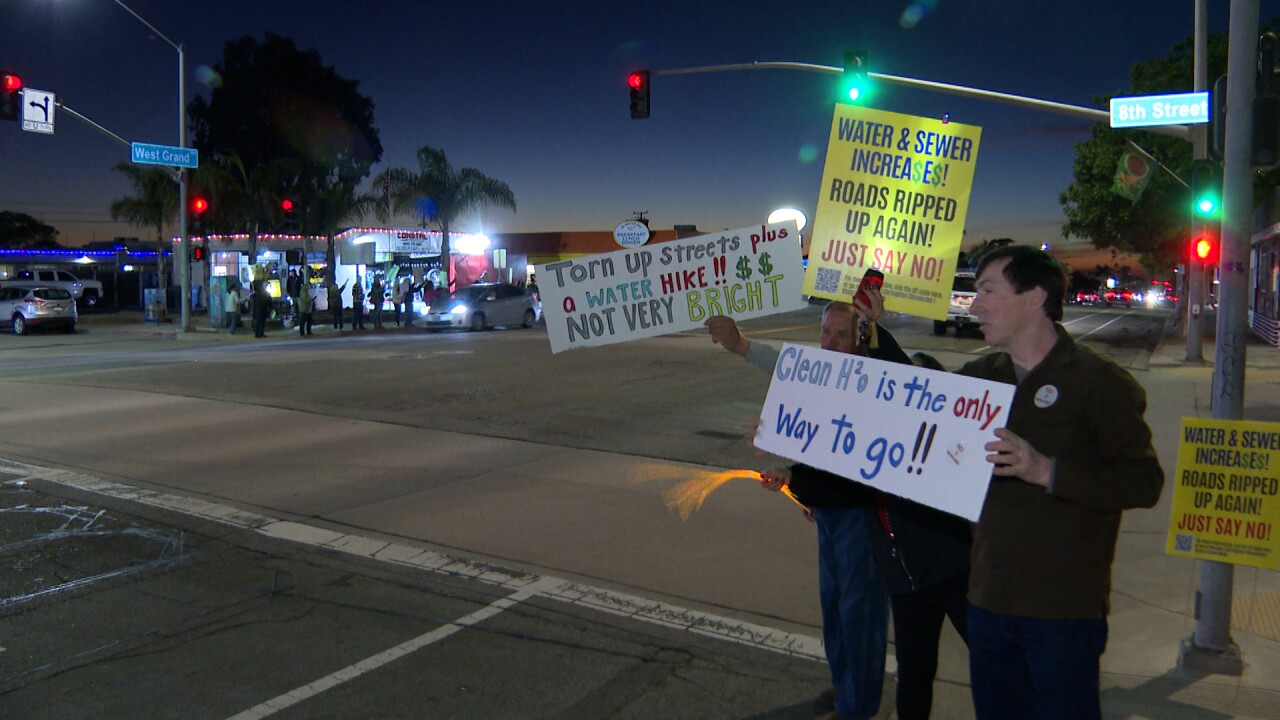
pixel 148 154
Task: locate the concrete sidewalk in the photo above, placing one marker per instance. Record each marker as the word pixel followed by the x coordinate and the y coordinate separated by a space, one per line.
pixel 1153 593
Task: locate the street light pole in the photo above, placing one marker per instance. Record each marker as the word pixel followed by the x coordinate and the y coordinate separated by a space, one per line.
pixel 181 253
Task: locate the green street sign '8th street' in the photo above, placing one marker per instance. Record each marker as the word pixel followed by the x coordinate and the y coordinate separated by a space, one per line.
pixel 1149 110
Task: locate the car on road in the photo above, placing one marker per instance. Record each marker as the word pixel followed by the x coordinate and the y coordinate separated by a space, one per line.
pixel 482 306
pixel 1119 296
pixel 85 291
pixel 26 307
pixel 963 290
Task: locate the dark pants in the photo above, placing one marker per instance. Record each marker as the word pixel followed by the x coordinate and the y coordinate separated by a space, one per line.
pixel 304 323
pixel 408 311
pixel 917 625
pixel 357 316
pixel 1032 669
pixel 260 322
pixel 233 322
pixel 337 316
pixel 855 611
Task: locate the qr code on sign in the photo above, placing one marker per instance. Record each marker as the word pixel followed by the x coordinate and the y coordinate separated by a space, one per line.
pixel 1183 543
pixel 827 281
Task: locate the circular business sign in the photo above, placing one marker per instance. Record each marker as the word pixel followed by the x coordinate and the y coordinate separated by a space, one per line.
pixel 630 233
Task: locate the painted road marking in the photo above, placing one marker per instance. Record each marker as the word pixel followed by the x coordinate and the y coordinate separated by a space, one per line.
pixel 523 586
pixel 351 672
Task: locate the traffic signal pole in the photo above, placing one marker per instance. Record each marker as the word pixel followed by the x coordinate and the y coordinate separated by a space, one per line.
pixel 1178 131
pixel 1211 649
pixel 1199 151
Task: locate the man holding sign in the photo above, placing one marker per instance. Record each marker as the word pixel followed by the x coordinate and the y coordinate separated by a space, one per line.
pixel 1075 453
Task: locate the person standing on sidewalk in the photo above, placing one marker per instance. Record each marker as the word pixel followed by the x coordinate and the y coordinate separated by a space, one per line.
pixel 260 304
pixel 357 304
pixel 231 306
pixel 1076 453
pixel 306 304
pixel 855 609
pixel 377 295
pixel 922 554
pixel 335 303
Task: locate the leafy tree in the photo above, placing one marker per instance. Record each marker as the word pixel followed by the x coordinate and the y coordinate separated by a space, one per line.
pixel 336 205
pixel 154 202
pixel 283 121
pixel 439 193
pixel 1157 226
pixel 19 230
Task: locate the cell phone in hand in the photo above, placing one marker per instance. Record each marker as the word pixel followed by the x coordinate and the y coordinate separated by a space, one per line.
pixel 873 278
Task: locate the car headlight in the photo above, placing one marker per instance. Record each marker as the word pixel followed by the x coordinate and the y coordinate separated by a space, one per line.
pixel 459 309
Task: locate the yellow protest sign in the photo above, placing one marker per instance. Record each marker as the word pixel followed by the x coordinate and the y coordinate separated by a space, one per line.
pixel 895 191
pixel 1226 493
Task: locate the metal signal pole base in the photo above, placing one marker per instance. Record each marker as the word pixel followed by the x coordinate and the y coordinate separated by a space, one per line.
pixel 1198 661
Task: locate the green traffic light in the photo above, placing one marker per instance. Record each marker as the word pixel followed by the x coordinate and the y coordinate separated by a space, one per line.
pixel 1207 206
pixel 854 81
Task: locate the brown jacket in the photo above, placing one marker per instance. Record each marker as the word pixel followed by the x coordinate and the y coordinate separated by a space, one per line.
pixel 1047 554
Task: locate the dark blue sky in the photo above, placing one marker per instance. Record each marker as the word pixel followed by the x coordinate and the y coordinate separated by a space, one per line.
pixel 533 93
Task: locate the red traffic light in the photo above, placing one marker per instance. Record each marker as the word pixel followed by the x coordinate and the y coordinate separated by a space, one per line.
pixel 286 205
pixel 1205 248
pixel 199 205
pixel 197 253
pixel 637 80
pixel 12 83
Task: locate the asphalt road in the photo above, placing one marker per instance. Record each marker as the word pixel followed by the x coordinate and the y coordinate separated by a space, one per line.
pixel 172 595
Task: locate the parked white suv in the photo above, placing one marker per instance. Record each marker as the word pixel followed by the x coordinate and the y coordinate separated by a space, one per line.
pixel 85 292
pixel 963 290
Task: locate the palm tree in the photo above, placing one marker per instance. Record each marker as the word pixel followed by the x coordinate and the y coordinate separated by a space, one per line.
pixel 154 202
pixel 250 197
pixel 440 193
pixel 337 203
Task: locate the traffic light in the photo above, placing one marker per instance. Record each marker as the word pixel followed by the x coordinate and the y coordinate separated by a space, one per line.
pixel 10 95
pixel 1217 132
pixel 197 253
pixel 1206 247
pixel 292 221
pixel 198 206
pixel 638 81
pixel 854 81
pixel 1206 190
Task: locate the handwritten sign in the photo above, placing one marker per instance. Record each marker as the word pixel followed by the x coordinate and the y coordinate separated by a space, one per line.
pixel 910 431
pixel 895 192
pixel 1226 497
pixel 669 287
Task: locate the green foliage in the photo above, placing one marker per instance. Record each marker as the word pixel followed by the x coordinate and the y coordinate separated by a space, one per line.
pixel 19 230
pixel 281 112
pixel 154 201
pixel 1157 227
pixel 439 193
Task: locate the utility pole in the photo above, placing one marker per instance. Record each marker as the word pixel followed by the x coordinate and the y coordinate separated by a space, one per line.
pixel 1211 649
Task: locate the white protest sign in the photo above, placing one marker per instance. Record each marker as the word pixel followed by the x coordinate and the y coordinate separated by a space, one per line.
pixel 669 287
pixel 909 431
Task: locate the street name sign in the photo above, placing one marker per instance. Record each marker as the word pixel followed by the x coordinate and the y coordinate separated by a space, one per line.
pixel 37 111
pixel 148 154
pixel 1151 110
